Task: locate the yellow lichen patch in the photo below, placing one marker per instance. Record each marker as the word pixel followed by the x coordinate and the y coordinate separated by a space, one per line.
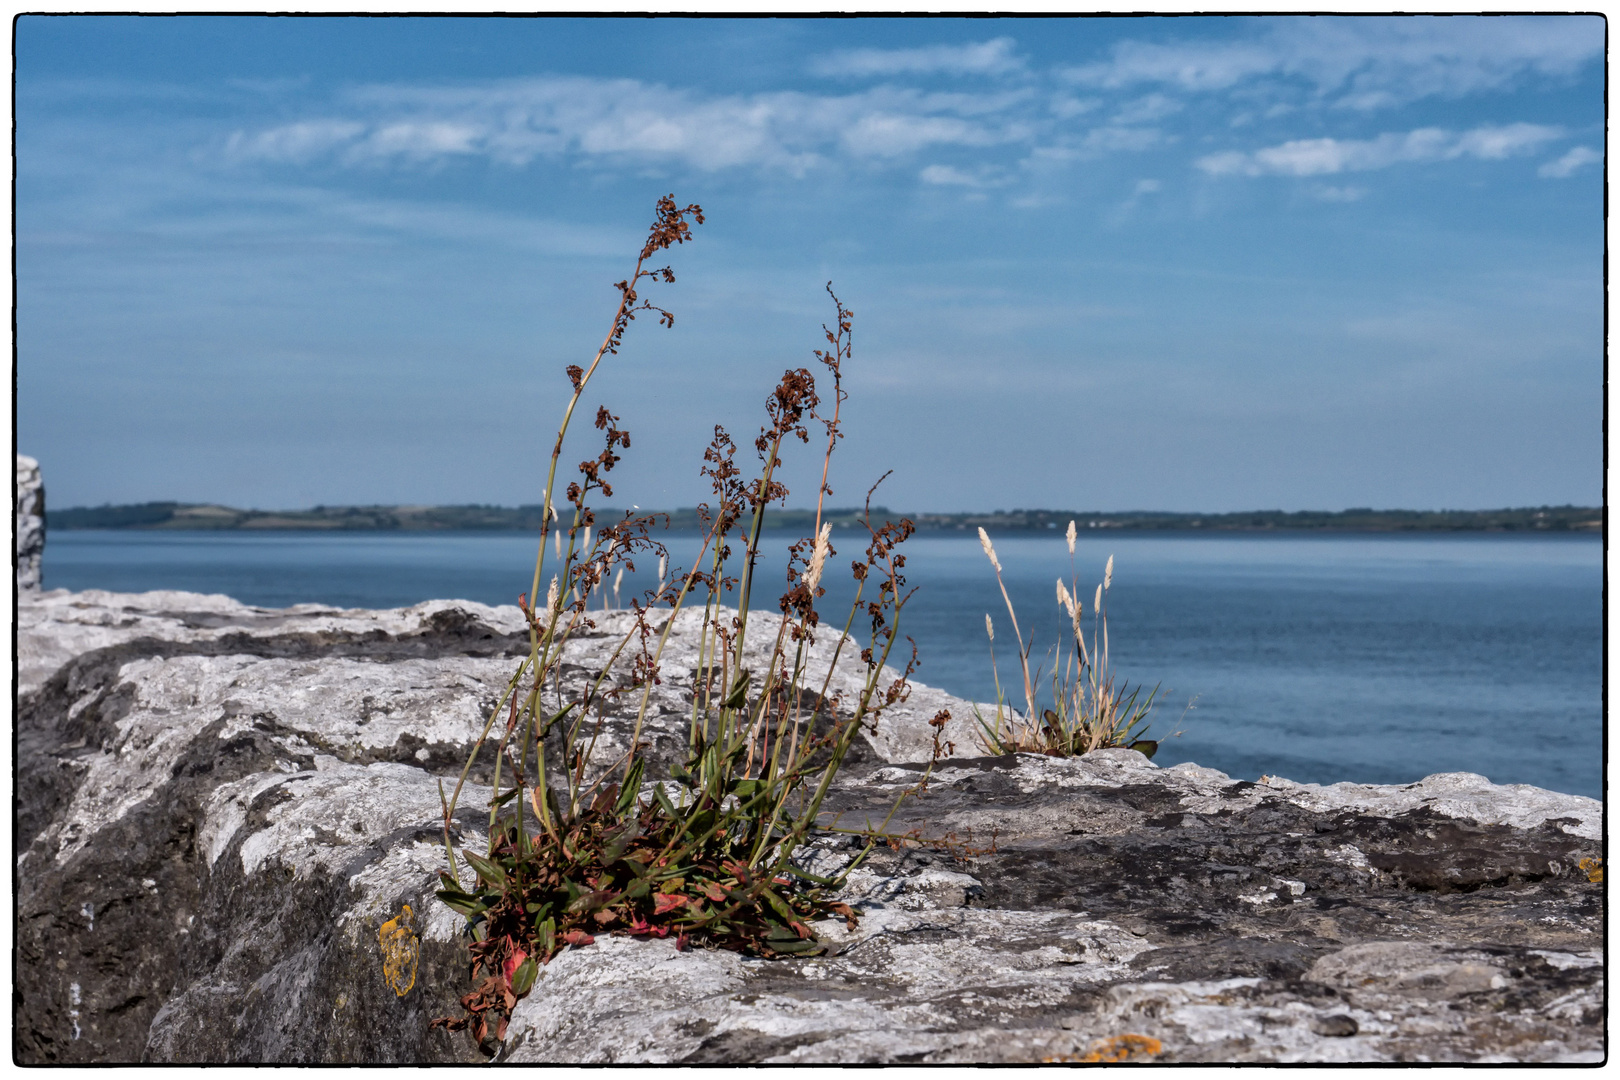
pixel 1115 1050
pixel 1594 869
pixel 400 949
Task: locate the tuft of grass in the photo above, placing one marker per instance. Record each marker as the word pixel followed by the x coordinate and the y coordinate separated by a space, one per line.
pixel 1089 711
pixel 575 848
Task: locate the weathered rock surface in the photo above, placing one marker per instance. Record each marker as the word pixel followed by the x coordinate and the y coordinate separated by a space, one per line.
pixel 218 807
pixel 30 535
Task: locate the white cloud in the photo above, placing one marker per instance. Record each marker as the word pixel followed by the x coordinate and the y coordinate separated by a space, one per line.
pixel 1327 193
pixel 1113 139
pixel 1147 109
pixel 515 121
pixel 1364 63
pixel 993 57
pixel 1319 157
pixel 1142 187
pixel 295 143
pixel 419 140
pixel 1066 106
pixel 1566 165
pixel 950 176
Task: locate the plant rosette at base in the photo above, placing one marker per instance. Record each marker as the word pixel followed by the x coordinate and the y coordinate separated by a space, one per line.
pixel 625 870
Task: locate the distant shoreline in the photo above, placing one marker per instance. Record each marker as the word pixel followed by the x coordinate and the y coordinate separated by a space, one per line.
pixel 194 517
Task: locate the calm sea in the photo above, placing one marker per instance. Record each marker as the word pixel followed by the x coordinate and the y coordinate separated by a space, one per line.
pixel 1377 659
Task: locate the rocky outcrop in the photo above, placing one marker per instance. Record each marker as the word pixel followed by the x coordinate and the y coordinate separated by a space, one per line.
pixel 219 807
pixel 30 537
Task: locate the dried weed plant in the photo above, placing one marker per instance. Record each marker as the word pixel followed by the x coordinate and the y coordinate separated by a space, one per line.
pixel 1089 711
pixel 706 859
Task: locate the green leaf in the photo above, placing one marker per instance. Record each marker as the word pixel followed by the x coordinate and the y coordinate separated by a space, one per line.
pixel 557 718
pixel 485 869
pixel 798 946
pixel 702 824
pixel 502 800
pixel 739 691
pixel 461 902
pixel 779 905
pixel 614 849
pixel 632 786
pixel 663 801
pixel 523 978
pixel 590 901
pixel 1147 747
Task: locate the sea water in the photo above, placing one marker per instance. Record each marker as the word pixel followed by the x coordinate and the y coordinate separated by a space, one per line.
pixel 1377 658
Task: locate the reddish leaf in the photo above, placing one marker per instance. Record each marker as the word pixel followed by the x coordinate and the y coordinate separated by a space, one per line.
pixel 664 903
pixel 644 929
pixel 512 962
pixel 577 937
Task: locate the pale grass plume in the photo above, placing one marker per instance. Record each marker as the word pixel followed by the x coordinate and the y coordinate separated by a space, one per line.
pixel 618 579
pixel 585 544
pixel 663 567
pixel 818 558
pixel 1108 573
pixel 984 542
pixel 1069 536
pixel 989 627
pixel 1096 601
pixel 556 539
pixel 1064 600
pixel 551 594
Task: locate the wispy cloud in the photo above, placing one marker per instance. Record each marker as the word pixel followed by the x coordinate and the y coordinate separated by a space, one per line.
pixel 993 57
pixel 1320 157
pixel 517 121
pixel 1147 109
pixel 951 176
pixel 1138 102
pixel 299 142
pixel 1346 194
pixel 1363 63
pixel 1565 166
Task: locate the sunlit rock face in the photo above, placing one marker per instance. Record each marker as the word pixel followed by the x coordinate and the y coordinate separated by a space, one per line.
pixel 30 537
pixel 221 807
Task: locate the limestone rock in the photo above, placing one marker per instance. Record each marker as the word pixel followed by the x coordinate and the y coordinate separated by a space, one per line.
pixel 219 806
pixel 30 537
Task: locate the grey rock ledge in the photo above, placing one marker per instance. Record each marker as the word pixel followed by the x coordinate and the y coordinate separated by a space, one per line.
pixel 219 805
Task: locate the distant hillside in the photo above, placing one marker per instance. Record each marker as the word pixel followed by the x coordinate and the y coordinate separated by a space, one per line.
pixel 172 515
pixel 1529 518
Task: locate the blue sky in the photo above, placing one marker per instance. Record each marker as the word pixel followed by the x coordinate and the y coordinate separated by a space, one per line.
pixel 1164 263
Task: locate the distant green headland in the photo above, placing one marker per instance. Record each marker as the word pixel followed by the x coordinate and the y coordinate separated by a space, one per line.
pixel 174 515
